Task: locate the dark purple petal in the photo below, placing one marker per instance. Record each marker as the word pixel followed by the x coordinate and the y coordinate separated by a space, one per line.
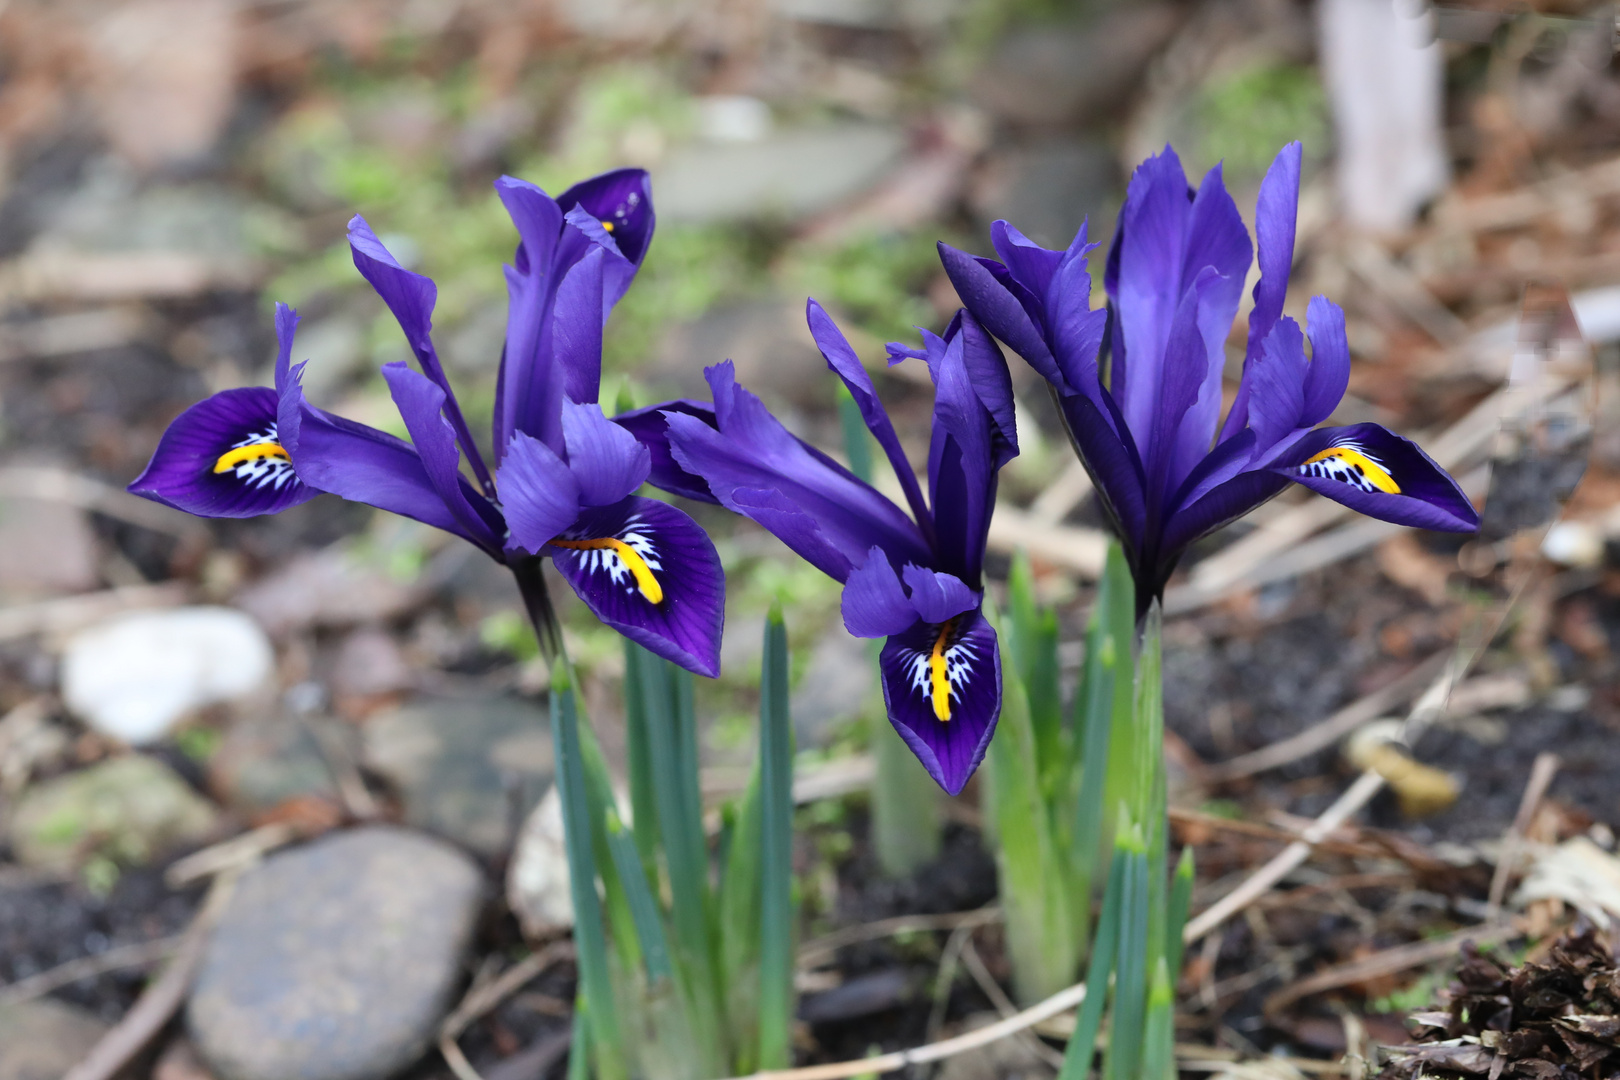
pixel 538 219
pixel 1172 446
pixel 755 467
pixel 961 472
pixel 992 382
pixel 286 325
pixel 1222 505
pixel 1112 462
pixel 993 303
pixel 1215 238
pixel 607 460
pixel 576 333
pixel 651 429
pixel 623 198
pixel 874 603
pixel 1329 372
pixel 953 670
pixel 1153 232
pixel 1221 464
pixel 1274 217
pixel 583 234
pixel 647 570
pixel 368 466
pixel 1031 265
pixel 1378 473
pixel 1074 330
pixel 411 298
pixel 936 596
pixel 223 457
pixel 1277 386
pixel 421 405
pixel 539 493
pixel 835 348
pixel 529 388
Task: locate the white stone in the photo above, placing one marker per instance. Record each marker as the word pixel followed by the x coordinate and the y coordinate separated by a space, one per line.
pixel 134 676
pixel 1573 543
pixel 537 882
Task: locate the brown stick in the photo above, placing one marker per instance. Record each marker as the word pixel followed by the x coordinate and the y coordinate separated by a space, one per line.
pixel 159 1001
pixel 1388 962
pixel 1541 776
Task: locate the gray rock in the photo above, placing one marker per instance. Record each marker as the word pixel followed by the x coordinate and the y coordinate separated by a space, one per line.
pixel 1057 76
pixel 465 769
pixel 41 1040
pixel 370 664
pixel 335 586
pixel 790 174
pixel 266 760
pixel 127 809
pixel 335 961
pixel 1048 188
pixel 49 546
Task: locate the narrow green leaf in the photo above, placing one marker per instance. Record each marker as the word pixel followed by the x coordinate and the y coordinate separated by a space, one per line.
pixel 1180 900
pixel 1106 657
pixel 857 440
pixel 648 920
pixel 638 752
pixel 739 922
pixel 1036 890
pixel 1082 1048
pixel 1130 981
pixel 1034 644
pixel 1159 1033
pixel 590 941
pixel 671 738
pixel 579 1056
pixel 776 850
pixel 1116 604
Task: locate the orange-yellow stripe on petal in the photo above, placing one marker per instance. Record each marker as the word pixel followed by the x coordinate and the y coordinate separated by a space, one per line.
pixel 939 681
pixel 646 581
pixel 1351 466
pixel 235 456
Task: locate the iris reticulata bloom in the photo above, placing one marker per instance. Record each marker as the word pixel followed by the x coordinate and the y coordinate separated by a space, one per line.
pixel 915 579
pixel 564 477
pixel 1166 470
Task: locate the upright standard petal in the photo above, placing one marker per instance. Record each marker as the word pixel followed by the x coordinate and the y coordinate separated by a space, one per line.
pixel 1151 242
pixel 841 358
pixel 647 570
pixel 942 686
pixel 1378 473
pixel 223 457
pixel 411 298
pixel 1274 216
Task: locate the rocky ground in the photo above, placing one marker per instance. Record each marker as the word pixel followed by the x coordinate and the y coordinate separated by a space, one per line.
pixel 304 758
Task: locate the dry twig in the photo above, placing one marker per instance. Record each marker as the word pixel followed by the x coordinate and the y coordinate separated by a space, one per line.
pixel 483 998
pixel 121 958
pixel 1541 776
pixel 159 1001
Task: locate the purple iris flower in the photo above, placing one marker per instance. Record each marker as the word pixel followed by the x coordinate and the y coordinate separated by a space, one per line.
pixel 915 579
pixel 564 477
pixel 1166 469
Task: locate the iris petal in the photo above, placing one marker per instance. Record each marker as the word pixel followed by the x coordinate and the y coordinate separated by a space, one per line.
pixel 942 685
pixel 1378 473
pixel 223 457
pixel 647 570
